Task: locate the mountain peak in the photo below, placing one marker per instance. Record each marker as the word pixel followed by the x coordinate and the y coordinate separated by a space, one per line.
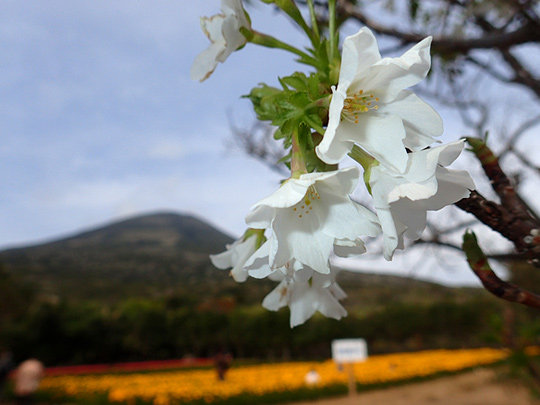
pixel 156 251
pixel 166 229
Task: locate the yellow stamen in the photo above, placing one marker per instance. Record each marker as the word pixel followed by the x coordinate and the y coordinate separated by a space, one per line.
pixel 311 195
pixel 358 103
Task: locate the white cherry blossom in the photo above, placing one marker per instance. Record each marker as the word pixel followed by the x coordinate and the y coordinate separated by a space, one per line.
pixel 235 257
pixel 305 292
pixel 370 106
pixel 403 199
pixel 310 215
pixel 223 31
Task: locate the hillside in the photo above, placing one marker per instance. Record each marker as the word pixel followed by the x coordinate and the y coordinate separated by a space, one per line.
pixel 167 254
pixel 145 289
pixel 142 255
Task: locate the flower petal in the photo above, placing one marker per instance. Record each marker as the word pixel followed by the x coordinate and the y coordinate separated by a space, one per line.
pixel 453 186
pixel 233 37
pixel 389 76
pixel 348 248
pixel 329 306
pixel 257 264
pixel 236 256
pixel 360 52
pixel 223 260
pixel 412 214
pixel 391 233
pixel 381 135
pixel 422 123
pixel 451 152
pixel 277 298
pixel 311 248
pixel 290 193
pixel 302 304
pixel 205 63
pixel 223 30
pixel 344 219
pixel 260 217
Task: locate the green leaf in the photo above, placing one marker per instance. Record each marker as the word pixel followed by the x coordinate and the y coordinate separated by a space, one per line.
pixel 278 134
pixel 288 126
pixel 313 82
pixel 313 120
pixel 299 100
pixel 285 158
pixel 296 81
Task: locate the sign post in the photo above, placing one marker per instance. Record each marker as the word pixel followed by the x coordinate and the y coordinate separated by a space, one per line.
pixel 348 352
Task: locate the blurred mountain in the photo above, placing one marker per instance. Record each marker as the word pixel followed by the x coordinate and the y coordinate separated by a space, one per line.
pixel 147 254
pixel 166 254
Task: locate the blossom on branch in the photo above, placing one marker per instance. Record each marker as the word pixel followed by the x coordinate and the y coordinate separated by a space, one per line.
pixel 310 215
pixel 235 257
pixel 223 31
pixel 305 292
pixel 403 199
pixel 370 106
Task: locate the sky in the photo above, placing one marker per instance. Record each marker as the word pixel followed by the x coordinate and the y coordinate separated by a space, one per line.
pixel 100 120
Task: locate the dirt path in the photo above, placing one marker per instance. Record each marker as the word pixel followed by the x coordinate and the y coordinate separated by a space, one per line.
pixel 479 387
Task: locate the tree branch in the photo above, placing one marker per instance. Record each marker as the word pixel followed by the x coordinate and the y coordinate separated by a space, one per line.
pixel 480 266
pixel 528 32
pixel 522 233
pixel 522 75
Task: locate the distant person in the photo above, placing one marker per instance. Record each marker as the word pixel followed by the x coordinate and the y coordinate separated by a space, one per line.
pixel 312 378
pixel 27 379
pixel 223 363
pixel 6 365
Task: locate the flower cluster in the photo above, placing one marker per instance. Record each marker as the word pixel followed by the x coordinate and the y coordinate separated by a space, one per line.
pixel 188 386
pixel 370 115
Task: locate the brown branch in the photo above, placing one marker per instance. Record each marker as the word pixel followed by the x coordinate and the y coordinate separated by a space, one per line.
pixel 528 32
pixel 522 75
pixel 507 291
pixel 480 266
pixel 524 234
pixel 436 241
pixel 501 183
pixel 489 69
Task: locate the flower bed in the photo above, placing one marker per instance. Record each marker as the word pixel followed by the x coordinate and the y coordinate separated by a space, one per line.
pixel 193 386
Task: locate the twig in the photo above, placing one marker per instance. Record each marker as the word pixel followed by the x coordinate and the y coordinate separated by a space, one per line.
pixel 528 32
pixel 522 233
pixel 480 266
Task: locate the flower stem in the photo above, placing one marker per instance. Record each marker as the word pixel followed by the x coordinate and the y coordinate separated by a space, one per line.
pixel 271 42
pixel 314 24
pixel 298 158
pixel 290 8
pixel 332 28
pixel 257 233
pixel 362 157
pixel 366 160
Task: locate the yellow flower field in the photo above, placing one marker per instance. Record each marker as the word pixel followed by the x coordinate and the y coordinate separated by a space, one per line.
pixel 171 387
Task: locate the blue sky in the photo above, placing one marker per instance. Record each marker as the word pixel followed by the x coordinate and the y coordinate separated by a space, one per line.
pixel 100 120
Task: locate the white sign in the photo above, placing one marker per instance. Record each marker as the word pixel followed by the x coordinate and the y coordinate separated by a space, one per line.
pixel 349 350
